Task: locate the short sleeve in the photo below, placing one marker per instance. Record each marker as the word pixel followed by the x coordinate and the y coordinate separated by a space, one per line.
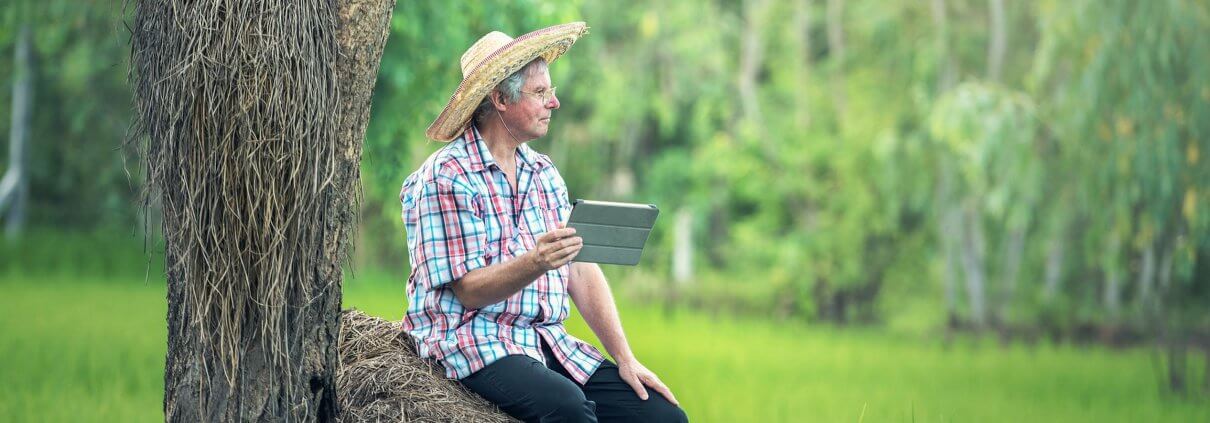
pixel 452 234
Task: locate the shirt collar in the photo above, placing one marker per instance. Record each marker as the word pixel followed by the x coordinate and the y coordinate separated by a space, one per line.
pixel 481 159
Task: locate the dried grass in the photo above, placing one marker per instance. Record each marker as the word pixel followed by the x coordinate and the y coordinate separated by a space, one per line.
pixel 382 379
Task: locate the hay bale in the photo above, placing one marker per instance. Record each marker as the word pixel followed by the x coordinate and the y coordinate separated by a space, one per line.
pixel 380 378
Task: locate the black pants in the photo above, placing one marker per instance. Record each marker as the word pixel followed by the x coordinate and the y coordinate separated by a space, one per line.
pixel 532 392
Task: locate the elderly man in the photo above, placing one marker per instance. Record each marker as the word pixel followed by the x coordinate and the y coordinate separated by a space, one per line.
pixel 492 263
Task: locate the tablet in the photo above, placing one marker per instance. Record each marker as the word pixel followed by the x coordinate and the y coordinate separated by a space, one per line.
pixel 613 233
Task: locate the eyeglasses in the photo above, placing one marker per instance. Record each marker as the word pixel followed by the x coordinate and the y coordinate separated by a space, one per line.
pixel 544 94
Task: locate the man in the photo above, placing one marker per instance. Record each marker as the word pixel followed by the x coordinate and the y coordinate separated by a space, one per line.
pixel 492 268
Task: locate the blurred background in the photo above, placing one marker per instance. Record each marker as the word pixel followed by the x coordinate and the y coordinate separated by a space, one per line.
pixel 934 210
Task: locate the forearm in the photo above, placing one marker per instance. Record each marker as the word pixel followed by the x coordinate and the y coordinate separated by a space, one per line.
pixel 590 291
pixel 495 283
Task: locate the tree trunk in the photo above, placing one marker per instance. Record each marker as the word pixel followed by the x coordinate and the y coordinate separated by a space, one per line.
pixel 999 40
pixel 1147 279
pixel 973 253
pixel 14 186
pixel 950 233
pixel 949 228
pixel 254 119
pixel 802 28
pixel 752 51
pixel 1112 294
pixel 1054 268
pixel 836 55
pixel 948 74
pixel 682 250
pixel 1010 270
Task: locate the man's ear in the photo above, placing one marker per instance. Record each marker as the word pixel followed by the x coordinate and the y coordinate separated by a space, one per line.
pixel 498 101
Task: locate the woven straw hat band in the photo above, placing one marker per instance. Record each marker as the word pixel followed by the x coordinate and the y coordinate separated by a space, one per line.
pixel 481 49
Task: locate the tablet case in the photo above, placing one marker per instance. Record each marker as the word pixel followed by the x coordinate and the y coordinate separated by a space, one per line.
pixel 613 233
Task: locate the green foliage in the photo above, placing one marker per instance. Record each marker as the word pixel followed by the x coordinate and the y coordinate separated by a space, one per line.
pixel 81 111
pixel 821 172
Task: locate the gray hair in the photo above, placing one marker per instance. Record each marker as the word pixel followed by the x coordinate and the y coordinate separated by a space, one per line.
pixel 509 88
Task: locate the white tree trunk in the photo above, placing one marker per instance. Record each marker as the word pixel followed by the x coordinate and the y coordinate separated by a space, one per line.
pixel 1147 278
pixel 1113 281
pixel 682 250
pixel 999 40
pixel 1054 268
pixel 14 187
pixel 752 53
pixel 1014 249
pixel 973 263
pixel 950 233
pixel 948 74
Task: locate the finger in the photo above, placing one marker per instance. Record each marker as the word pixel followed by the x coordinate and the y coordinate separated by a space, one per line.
pixel 553 247
pixel 555 235
pixel 659 386
pixel 560 247
pixel 634 383
pixel 565 255
pixel 565 232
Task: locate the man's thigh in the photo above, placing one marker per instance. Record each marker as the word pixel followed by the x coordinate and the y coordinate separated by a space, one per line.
pixel 527 390
pixel 617 402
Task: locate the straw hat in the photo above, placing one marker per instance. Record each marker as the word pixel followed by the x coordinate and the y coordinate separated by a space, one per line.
pixel 490 60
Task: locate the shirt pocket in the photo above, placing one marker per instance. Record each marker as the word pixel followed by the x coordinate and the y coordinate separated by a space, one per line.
pixel 555 208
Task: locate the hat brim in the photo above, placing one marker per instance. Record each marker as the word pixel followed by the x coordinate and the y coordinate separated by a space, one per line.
pixel 547 43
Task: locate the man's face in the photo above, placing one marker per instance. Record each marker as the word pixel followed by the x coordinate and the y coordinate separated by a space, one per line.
pixel 529 117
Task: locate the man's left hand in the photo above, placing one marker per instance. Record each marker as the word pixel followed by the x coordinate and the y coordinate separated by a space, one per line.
pixel 636 375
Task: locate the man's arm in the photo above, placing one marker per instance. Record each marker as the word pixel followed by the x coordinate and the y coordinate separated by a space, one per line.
pixel 590 292
pixel 495 283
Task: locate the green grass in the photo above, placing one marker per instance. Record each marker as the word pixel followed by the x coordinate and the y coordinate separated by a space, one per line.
pixel 92 350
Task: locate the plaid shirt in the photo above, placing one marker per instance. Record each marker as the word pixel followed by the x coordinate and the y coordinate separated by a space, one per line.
pixel 461 215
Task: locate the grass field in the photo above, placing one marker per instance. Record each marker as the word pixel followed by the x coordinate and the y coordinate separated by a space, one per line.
pixel 75 349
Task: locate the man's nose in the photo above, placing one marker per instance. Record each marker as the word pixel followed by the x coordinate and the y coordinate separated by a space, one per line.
pixel 553 103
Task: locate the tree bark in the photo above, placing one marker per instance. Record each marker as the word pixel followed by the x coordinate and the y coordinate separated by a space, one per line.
pixel 289 376
pixel 14 187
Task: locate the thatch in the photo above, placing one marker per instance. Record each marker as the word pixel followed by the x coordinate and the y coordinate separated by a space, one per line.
pixel 380 379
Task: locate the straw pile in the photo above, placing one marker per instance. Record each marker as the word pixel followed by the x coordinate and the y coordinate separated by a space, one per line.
pixel 380 378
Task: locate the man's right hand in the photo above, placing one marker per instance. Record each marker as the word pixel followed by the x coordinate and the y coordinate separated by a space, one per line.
pixel 556 248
